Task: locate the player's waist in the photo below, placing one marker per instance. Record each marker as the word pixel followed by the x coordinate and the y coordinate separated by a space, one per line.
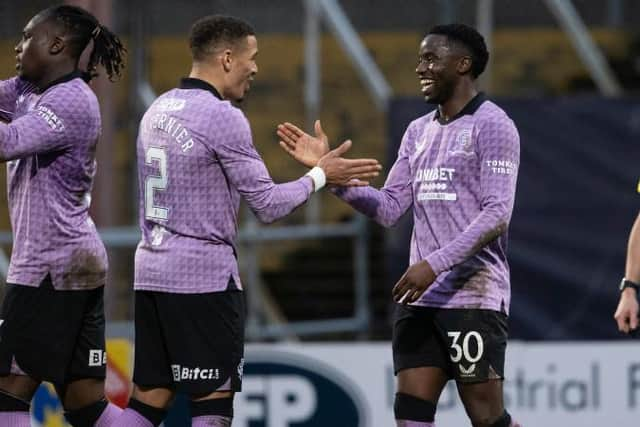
pixel 63 276
pixel 185 256
pixel 159 236
pixel 54 229
pixel 491 296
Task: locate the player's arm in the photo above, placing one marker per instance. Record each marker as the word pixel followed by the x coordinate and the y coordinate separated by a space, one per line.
pixel 385 206
pixel 626 314
pixel 41 130
pixel 248 174
pixel 632 269
pixel 499 154
pixel 8 97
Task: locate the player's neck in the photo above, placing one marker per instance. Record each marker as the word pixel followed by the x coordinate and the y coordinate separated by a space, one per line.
pixel 211 77
pixel 54 73
pixel 462 94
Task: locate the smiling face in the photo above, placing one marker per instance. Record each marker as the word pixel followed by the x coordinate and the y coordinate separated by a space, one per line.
pixel 242 68
pixel 440 66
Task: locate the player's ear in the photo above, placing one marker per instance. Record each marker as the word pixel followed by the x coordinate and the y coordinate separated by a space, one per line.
pixel 57 45
pixel 464 65
pixel 227 60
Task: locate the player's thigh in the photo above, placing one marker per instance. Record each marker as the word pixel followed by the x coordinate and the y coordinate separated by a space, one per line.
pixel 197 341
pixel 207 342
pixel 152 365
pixel 483 401
pixel 158 397
pixel 152 375
pixel 214 395
pixel 21 386
pixel 419 354
pixel 476 342
pixel 86 372
pixel 425 382
pixel 40 330
pixel 80 393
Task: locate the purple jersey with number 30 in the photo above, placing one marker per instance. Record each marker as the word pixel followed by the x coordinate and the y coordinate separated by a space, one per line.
pixel 460 178
pixel 195 160
pixel 50 145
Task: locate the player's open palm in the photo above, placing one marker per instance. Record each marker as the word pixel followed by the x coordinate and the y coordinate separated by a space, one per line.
pixel 627 312
pixel 303 147
pixel 413 282
pixel 348 172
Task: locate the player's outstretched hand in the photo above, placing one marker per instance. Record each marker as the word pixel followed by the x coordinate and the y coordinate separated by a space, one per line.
pixel 413 283
pixel 627 312
pixel 347 172
pixel 303 147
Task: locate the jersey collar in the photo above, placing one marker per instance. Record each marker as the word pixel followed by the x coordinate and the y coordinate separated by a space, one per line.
pixel 469 109
pixel 191 83
pixel 67 77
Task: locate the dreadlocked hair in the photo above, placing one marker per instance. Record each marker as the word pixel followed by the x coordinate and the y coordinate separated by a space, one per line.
pixel 82 27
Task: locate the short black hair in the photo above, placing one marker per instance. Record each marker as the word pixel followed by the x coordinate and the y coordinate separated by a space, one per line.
pixel 81 27
pixel 471 39
pixel 214 31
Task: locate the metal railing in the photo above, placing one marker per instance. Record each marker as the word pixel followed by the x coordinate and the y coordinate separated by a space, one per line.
pixel 591 56
pixel 251 237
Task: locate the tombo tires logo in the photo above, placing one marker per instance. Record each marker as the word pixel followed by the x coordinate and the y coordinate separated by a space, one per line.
pixel 282 389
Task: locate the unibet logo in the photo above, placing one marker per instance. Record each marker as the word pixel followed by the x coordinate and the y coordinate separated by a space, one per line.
pixel 184 373
pixel 281 390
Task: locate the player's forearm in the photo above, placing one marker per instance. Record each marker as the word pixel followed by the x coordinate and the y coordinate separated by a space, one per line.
pixel 632 269
pixel 492 221
pixel 379 205
pixel 8 98
pixel 24 137
pixel 8 143
pixel 279 200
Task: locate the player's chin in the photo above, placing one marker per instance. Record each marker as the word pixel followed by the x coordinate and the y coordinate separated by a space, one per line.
pixel 21 73
pixel 242 95
pixel 431 98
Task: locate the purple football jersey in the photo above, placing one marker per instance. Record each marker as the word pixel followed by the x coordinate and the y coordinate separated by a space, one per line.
pixel 50 146
pixel 460 178
pixel 196 158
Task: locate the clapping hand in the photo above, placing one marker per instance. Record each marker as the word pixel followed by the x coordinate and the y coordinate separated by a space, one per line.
pixel 303 147
pixel 314 151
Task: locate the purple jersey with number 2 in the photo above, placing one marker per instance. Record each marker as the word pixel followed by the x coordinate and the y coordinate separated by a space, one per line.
pixel 196 158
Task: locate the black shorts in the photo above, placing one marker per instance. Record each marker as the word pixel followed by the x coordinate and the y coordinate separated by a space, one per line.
pixel 55 336
pixel 193 343
pixel 468 344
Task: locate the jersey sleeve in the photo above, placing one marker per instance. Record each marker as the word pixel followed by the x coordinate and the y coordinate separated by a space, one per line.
pixel 8 97
pixel 52 125
pixel 387 205
pixel 247 172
